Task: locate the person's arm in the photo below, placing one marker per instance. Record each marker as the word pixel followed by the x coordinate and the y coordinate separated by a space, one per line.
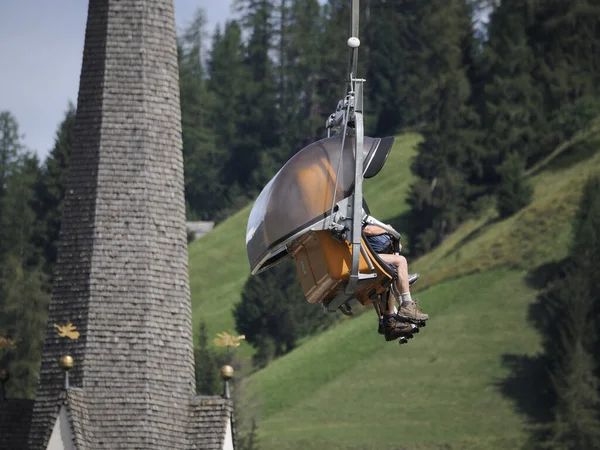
pixel 373 230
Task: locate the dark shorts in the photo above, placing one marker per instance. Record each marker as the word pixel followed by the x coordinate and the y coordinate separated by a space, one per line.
pixel 379 243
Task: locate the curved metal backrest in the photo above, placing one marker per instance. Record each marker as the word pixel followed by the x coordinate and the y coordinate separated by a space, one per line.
pixel 301 194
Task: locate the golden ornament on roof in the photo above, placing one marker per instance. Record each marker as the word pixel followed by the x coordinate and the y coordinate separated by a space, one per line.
pixel 69 330
pixel 224 339
pixel 66 362
pixel 227 372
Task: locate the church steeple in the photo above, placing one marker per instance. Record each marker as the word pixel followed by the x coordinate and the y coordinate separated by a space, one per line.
pixel 121 278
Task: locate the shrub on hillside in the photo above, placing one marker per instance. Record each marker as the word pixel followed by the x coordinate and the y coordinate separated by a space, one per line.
pixel 274 313
pixel 575 116
pixel 514 191
pixel 567 316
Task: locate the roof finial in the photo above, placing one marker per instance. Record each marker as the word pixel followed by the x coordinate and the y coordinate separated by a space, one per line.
pixel 227 373
pixel 66 364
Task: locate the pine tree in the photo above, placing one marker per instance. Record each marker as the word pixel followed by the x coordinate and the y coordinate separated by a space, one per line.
pixel 514 190
pixel 450 160
pixel 570 336
pixel 513 114
pixel 574 378
pixel 23 287
pixel 301 66
pixel 566 48
pixel 10 147
pixel 393 68
pixel 207 370
pixel 273 313
pixel 204 160
pixel 227 78
pixel 50 189
pixel 256 154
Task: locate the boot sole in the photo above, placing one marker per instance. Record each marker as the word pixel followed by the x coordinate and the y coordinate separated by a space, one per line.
pixel 417 322
pixel 409 335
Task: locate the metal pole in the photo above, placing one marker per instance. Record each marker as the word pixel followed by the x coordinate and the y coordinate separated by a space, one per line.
pixel 355 18
pixel 354 32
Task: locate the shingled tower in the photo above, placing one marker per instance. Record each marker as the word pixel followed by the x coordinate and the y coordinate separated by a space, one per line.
pixel 122 271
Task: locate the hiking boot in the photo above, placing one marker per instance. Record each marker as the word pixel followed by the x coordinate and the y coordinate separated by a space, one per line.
pixel 394 329
pixel 412 312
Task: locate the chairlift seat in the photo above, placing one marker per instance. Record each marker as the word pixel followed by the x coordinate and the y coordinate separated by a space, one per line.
pixel 323 264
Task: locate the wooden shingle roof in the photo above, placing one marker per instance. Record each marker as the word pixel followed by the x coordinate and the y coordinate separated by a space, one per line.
pixel 121 275
pixel 209 417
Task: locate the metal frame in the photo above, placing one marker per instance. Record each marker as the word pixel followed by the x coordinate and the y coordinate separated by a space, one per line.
pixel 348 118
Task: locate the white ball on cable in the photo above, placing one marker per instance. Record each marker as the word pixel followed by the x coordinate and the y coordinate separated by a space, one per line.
pixel 353 42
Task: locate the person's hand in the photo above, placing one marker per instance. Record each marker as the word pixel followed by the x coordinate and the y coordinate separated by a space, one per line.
pixel 399 247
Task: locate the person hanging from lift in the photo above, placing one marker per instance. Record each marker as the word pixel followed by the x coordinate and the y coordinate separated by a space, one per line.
pixel 400 323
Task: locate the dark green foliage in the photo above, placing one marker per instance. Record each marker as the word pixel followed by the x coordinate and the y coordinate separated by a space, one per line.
pixel 204 160
pixel 451 158
pixel 257 154
pixel 513 111
pixel 574 376
pixel 515 190
pixel 393 70
pixel 10 147
pixel 24 304
pixel 274 314
pixel 569 321
pixel 50 189
pixel 301 67
pixel 575 116
pixel 249 440
pixel 564 37
pixel 207 366
pixel 23 288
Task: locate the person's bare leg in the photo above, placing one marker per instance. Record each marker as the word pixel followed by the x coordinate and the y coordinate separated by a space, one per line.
pixel 401 265
pixel 408 308
pixel 389 305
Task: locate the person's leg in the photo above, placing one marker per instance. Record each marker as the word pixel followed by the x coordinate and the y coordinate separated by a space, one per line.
pixel 408 309
pixel 399 262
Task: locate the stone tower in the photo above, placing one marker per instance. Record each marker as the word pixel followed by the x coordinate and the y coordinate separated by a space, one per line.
pixel 122 271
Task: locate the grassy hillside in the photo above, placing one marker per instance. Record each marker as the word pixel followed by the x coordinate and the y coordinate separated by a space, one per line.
pixel 349 389
pixel 218 262
pixel 537 234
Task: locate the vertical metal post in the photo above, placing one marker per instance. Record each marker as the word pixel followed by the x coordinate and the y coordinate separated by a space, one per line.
pixel 358 185
pixel 355 18
pixel 357 91
pixel 354 32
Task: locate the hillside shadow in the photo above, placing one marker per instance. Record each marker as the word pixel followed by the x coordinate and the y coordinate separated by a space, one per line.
pixel 473 234
pixel 528 384
pixel 575 154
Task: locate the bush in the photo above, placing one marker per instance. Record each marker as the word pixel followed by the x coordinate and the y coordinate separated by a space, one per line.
pixel 575 116
pixel 274 313
pixel 514 191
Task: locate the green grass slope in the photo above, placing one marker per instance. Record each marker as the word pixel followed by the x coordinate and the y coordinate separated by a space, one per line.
pixel 218 262
pixel 348 389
